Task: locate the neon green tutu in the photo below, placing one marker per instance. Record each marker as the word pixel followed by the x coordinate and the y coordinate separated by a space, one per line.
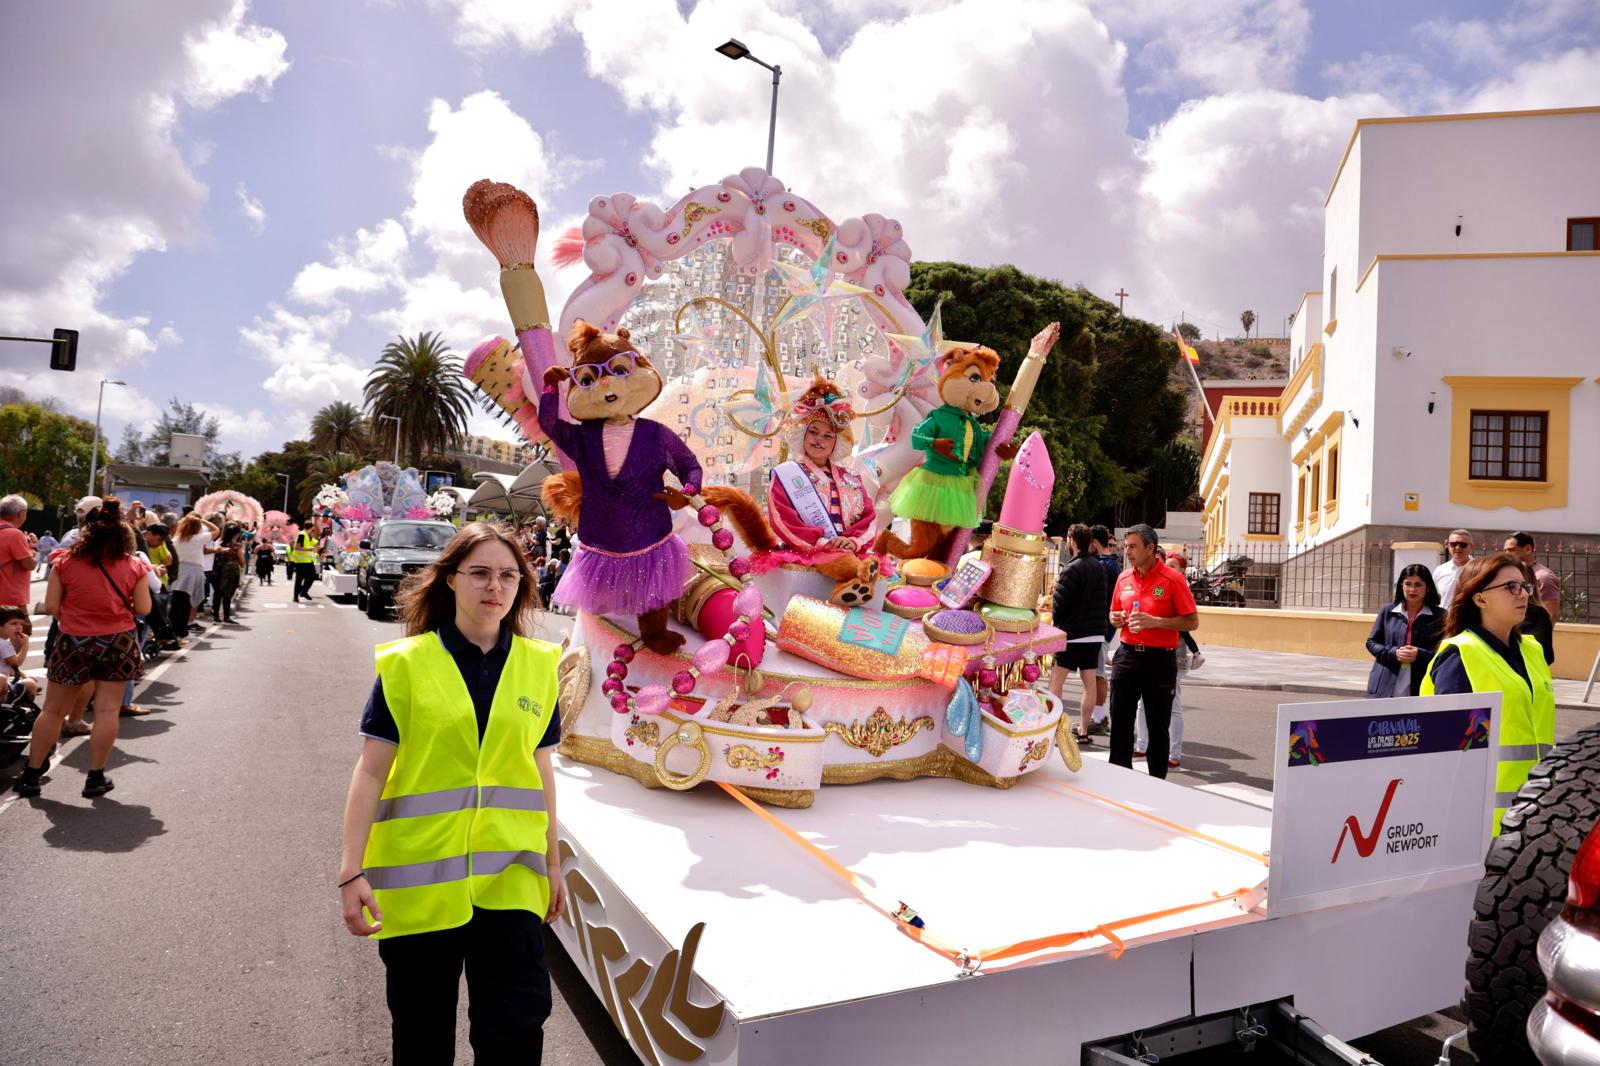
pixel 947 499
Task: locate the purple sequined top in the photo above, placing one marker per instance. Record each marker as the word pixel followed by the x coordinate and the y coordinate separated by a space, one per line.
pixel 620 514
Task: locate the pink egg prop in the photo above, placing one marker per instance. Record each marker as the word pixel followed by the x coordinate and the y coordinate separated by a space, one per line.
pixel 616 669
pixel 711 657
pixel 722 540
pixel 623 653
pixel 683 682
pixel 739 630
pixel 1030 673
pixel 748 602
pixel 652 699
pixel 619 702
pixel 739 566
pixel 718 618
pixel 611 685
pixel 709 515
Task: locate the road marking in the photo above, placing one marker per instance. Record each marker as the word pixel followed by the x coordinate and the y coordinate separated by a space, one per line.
pixel 65 747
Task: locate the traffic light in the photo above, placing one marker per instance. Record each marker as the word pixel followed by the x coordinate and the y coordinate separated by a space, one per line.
pixel 64 352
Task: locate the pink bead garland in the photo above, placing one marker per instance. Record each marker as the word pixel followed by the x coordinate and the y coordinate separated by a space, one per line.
pixel 711 656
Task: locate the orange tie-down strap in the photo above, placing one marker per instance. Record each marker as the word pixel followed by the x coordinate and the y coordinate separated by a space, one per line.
pixel 1062 786
pixel 970 961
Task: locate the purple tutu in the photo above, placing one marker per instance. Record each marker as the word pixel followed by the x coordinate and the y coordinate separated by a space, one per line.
pixel 602 582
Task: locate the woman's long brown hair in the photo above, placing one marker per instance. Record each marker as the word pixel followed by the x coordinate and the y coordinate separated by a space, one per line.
pixel 427 602
pixel 105 537
pixel 1475 577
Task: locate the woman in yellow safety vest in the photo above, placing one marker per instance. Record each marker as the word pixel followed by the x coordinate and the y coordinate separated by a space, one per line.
pixel 449 856
pixel 1483 652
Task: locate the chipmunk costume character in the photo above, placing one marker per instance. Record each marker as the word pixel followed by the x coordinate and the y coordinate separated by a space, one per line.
pixel 942 493
pixel 628 561
pixel 819 512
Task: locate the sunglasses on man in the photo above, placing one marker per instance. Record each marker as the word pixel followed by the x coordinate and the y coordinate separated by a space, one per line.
pixel 1462 544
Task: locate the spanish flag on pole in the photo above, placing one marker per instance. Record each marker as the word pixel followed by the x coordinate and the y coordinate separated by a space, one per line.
pixel 1188 352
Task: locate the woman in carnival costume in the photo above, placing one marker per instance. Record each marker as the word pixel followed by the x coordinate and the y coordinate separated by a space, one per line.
pixel 819 511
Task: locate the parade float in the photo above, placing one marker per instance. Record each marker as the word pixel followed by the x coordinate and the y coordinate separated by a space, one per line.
pixel 774 466
pixel 348 512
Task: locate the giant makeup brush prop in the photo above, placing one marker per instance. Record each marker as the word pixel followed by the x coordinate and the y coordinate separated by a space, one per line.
pixel 506 220
pixel 1005 427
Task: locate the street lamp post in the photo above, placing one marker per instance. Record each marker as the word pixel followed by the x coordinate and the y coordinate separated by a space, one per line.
pixel 735 49
pixel 94 452
pixel 285 492
pixel 397 424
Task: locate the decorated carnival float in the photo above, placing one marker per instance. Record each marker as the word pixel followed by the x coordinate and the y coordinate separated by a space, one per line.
pixel 775 466
pixel 347 513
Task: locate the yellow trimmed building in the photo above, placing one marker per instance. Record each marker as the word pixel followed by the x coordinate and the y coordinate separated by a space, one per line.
pixel 1445 371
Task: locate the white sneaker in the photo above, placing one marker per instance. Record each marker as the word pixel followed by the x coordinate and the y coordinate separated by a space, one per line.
pixel 1196 661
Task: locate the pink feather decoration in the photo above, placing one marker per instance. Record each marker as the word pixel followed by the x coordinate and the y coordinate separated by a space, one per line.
pixel 568 248
pixel 505 219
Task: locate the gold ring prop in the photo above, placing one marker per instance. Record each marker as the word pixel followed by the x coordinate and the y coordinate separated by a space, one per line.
pixel 685 733
pixel 1066 743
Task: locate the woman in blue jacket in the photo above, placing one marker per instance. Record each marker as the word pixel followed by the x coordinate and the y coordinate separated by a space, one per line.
pixel 1405 635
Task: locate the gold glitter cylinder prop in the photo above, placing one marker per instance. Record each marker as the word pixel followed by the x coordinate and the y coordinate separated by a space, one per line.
pixel 524 294
pixel 1018 578
pixel 864 643
pixel 1017 541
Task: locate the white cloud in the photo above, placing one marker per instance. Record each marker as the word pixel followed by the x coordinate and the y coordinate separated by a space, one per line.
pixel 1216 46
pixel 1569 79
pixel 250 208
pixel 94 178
pixel 230 57
pixel 374 260
pixel 246 432
pixel 309 369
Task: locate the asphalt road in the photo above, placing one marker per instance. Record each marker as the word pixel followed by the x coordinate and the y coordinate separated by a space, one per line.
pixel 190 917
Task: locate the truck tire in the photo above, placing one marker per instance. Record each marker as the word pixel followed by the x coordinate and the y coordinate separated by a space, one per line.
pixel 1524 887
pixel 377 608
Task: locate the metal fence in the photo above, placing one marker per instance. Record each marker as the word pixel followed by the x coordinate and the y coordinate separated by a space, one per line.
pixel 1354 576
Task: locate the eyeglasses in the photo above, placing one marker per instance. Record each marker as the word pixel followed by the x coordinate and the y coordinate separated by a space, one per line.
pixel 482 577
pixel 588 375
pixel 1514 587
pixel 1460 544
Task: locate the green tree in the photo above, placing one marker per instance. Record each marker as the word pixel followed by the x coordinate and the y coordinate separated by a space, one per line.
pixel 45 453
pixel 339 427
pixel 260 477
pixel 131 447
pixel 180 417
pixel 419 382
pixel 326 470
pixel 1247 319
pixel 1102 403
pixel 1189 331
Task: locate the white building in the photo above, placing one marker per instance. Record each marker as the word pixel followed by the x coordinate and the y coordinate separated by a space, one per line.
pixel 1445 371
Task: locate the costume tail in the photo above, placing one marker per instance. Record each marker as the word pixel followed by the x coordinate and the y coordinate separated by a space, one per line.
pixel 562 494
pixel 744 514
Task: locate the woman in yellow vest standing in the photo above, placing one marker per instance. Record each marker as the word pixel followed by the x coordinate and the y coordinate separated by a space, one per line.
pixel 1483 652
pixel 450 824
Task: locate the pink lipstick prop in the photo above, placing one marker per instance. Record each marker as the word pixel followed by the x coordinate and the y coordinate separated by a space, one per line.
pixel 1016 548
pixel 506 220
pixel 1005 428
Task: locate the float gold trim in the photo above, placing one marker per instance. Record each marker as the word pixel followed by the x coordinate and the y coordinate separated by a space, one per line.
pixel 879 733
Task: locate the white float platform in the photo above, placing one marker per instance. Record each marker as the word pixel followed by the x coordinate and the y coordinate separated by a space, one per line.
pixel 808 973
pixel 337 584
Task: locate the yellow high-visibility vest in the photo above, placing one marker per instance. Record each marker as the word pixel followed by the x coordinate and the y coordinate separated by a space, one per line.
pixel 1527 715
pixel 304 549
pixel 461 824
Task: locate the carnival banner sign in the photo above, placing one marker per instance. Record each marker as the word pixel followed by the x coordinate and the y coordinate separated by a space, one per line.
pixel 1374 798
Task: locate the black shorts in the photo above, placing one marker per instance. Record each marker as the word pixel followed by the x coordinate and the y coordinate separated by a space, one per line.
pixel 1085 656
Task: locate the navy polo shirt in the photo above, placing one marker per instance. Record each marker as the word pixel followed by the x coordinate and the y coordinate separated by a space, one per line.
pixel 479 669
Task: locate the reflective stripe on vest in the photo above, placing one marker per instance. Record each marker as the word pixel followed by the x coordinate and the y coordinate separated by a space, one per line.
pixel 461 824
pixel 1527 716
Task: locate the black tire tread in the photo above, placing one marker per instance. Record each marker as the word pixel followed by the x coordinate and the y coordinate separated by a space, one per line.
pixel 1524 887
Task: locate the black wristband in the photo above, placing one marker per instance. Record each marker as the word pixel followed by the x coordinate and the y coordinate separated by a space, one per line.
pixel 362 873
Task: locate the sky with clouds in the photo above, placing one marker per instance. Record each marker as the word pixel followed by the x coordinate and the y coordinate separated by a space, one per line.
pixel 238 203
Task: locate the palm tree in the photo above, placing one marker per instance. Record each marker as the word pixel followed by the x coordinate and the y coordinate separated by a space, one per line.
pixel 325 470
pixel 338 427
pixel 1247 319
pixel 419 382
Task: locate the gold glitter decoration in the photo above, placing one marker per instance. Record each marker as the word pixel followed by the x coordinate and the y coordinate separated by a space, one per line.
pixel 744 757
pixel 646 733
pixel 811 628
pixel 693 212
pixel 1067 744
pixel 1018 579
pixel 820 226
pixel 572 685
pixel 593 751
pixel 879 732
pixel 940 762
pixel 1037 750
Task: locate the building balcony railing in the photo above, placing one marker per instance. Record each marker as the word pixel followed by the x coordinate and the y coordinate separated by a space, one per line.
pixel 1221 442
pixel 1304 391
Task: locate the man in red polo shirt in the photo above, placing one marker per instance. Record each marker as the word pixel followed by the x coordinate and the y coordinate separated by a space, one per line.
pixel 1151 604
pixel 16 552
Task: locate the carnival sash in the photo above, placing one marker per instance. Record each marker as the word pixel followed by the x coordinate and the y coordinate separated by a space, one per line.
pixel 807 501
